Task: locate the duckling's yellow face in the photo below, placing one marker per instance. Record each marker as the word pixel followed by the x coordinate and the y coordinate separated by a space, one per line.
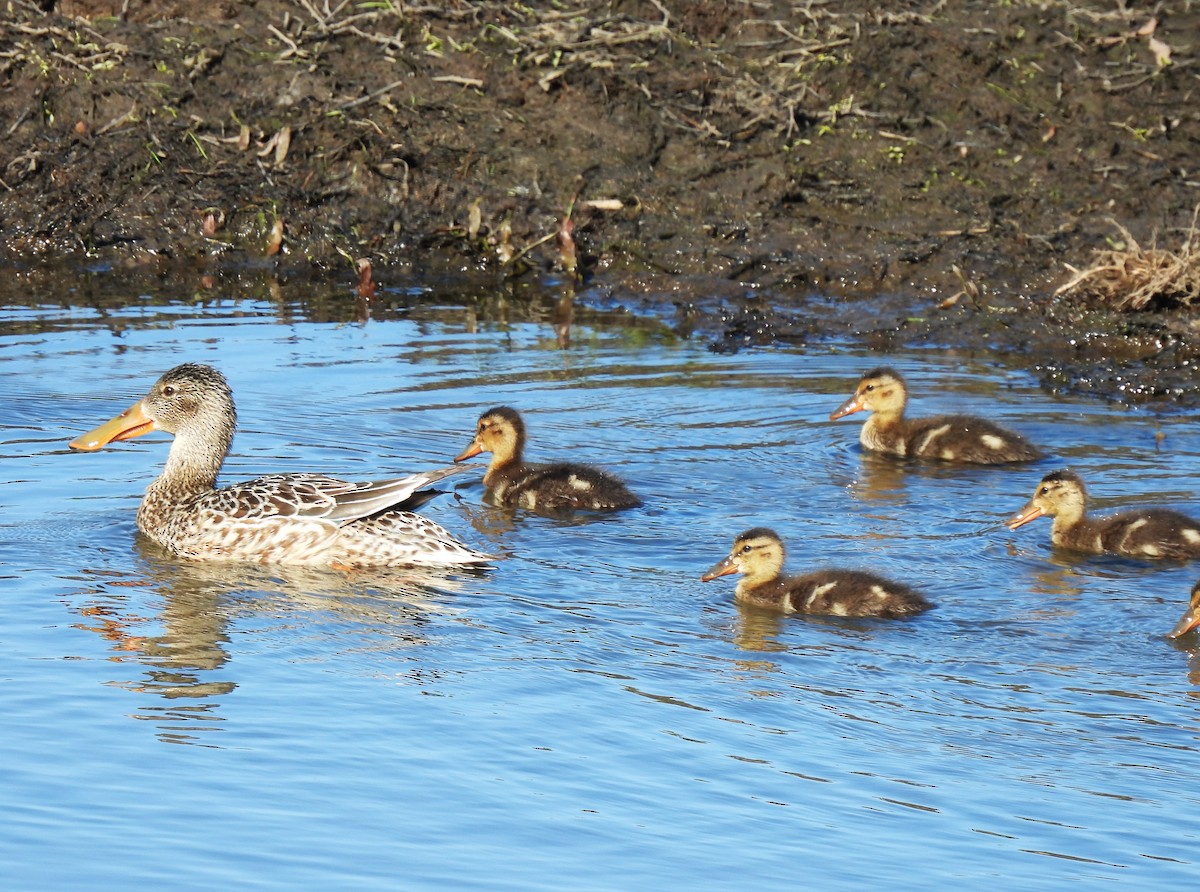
pixel 495 433
pixel 1059 494
pixel 758 555
pixel 1191 616
pixel 883 392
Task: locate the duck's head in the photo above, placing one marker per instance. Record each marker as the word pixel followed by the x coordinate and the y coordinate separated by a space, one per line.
pixel 501 432
pixel 879 390
pixel 758 554
pixel 191 401
pixel 1059 493
pixel 1191 616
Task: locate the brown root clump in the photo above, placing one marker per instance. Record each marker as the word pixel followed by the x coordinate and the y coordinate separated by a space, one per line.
pixel 1133 277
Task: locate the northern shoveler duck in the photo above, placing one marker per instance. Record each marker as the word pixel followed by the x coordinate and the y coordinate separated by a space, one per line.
pixel 1140 533
pixel 283 518
pixel 759 554
pixel 1191 616
pixel 546 488
pixel 952 438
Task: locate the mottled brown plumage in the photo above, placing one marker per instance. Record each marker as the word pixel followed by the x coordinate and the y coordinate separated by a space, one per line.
pixel 1140 533
pixel 552 488
pixel 759 554
pixel 284 518
pixel 952 438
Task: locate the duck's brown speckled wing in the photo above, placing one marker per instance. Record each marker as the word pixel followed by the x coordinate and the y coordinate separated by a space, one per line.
pixel 320 497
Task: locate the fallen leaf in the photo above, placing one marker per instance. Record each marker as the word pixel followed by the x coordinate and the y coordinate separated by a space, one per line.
pixel 1162 52
pixel 275 239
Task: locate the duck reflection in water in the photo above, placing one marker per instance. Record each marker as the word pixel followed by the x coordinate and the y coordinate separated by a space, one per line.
pixel 173 616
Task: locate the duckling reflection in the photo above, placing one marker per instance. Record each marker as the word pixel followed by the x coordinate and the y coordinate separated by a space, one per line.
pixel 759 631
pixel 1139 533
pixel 965 439
pixel 759 555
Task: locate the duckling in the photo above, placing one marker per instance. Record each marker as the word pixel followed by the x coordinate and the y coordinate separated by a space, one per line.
pixel 1191 616
pixel 953 438
pixel 1140 533
pixel 546 488
pixel 759 555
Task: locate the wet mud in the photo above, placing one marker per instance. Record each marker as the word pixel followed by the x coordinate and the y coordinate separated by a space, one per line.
pixel 905 176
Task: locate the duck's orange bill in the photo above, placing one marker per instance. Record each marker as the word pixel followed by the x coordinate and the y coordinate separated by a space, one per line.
pixel 849 407
pixel 471 451
pixel 133 422
pixel 1028 513
pixel 724 568
pixel 1186 623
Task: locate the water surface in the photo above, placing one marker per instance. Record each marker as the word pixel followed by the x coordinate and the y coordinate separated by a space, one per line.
pixel 587 714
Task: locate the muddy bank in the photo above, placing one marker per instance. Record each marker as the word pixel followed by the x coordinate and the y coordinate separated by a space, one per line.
pixel 797 171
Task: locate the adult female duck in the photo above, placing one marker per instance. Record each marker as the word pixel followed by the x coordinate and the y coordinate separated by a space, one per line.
pixel 283 518
pixel 952 438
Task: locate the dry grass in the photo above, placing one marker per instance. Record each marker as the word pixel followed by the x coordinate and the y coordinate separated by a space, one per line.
pixel 1133 277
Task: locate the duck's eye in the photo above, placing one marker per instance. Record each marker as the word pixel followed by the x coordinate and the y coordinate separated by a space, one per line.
pixel 1044 491
pixel 745 549
pixel 869 388
pixel 169 390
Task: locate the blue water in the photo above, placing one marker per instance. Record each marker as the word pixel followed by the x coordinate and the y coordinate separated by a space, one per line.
pixel 587 714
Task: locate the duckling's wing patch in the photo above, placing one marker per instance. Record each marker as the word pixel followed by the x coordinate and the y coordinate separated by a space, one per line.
pixel 570 487
pixel 966 438
pixel 1156 534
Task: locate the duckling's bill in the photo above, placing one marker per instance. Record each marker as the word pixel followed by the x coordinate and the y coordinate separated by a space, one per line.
pixel 1187 622
pixel 852 405
pixel 133 422
pixel 722 568
pixel 470 452
pixel 1028 513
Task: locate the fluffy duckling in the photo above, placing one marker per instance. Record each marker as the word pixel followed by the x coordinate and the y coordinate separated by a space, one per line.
pixel 759 553
pixel 954 438
pixel 1140 533
pixel 1191 616
pixel 547 488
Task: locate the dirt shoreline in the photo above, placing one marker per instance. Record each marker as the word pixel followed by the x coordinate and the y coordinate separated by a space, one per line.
pixel 920 174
